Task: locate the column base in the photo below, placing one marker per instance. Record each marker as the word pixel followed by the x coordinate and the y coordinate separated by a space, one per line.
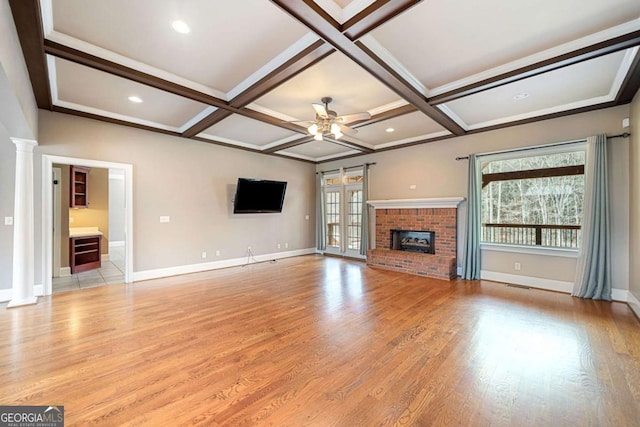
pixel 21 302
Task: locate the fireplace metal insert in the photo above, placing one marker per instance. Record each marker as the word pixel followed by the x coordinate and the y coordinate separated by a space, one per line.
pixel 413 241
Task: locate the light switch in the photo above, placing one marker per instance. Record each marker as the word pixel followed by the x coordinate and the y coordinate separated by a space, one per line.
pixel 166 218
pixel 8 220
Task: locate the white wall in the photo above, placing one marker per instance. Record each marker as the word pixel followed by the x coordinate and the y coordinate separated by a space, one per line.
pixel 116 207
pixel 18 109
pixel 192 182
pixel 432 168
pixel 634 208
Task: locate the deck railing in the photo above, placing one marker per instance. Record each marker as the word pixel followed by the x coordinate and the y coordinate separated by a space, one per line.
pixel 548 235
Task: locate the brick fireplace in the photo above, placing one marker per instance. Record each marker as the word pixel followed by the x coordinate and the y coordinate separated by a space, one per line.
pixel 437 216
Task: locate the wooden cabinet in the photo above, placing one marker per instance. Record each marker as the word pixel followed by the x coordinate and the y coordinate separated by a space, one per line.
pixel 85 253
pixel 79 179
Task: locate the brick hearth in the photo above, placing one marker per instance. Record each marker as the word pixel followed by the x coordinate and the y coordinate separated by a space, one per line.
pixel 441 220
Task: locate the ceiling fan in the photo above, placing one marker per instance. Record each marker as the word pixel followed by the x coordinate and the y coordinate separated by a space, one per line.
pixel 328 122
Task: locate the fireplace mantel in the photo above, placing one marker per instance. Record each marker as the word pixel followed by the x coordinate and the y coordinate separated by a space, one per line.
pixel 438 202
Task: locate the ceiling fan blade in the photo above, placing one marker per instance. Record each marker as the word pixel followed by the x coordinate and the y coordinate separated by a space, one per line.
pixel 353 117
pixel 320 110
pixel 347 130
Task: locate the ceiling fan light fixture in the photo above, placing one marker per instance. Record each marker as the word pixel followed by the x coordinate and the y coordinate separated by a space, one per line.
pixel 313 129
pixel 318 136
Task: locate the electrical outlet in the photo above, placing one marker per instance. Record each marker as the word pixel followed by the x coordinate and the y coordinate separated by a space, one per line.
pixel 166 218
pixel 306 217
pixel 8 220
pixel 286 245
pixel 278 245
pixel 70 220
pixel 217 253
pixel 412 187
pixel 517 266
pixel 204 254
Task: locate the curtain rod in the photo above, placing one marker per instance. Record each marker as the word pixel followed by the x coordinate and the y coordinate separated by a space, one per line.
pixel 350 167
pixel 622 135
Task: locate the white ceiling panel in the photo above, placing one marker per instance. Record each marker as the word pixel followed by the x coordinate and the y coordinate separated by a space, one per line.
pixel 405 127
pixel 353 90
pixel 439 42
pixel 90 89
pixel 228 42
pixel 563 87
pixel 243 130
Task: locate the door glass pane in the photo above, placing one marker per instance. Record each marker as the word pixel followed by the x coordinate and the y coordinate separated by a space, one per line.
pixel 332 210
pixel 354 200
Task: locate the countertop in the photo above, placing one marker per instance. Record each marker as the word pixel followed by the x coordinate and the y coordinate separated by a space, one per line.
pixel 84 231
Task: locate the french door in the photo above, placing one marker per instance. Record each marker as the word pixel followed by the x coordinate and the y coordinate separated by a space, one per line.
pixel 343 213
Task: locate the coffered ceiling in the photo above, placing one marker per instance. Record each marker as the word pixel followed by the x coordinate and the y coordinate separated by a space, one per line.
pixel 247 72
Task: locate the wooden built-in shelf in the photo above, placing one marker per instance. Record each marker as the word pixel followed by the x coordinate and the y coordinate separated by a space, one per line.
pixel 85 253
pixel 79 179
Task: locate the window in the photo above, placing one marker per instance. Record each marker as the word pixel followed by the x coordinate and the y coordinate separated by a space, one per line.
pixel 354 212
pixel 343 212
pixel 332 210
pixel 534 201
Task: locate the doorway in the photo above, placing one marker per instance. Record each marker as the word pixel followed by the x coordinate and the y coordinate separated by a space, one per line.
pixel 343 198
pixel 125 172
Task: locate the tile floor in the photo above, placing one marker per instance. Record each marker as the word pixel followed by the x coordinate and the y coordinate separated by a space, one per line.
pixel 112 272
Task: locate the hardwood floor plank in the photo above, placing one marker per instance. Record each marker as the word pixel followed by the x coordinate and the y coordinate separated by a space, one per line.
pixel 322 341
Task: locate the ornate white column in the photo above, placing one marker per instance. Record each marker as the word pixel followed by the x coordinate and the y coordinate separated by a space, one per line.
pixel 23 235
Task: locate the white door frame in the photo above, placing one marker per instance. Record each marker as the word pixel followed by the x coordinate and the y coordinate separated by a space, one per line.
pixel 343 189
pixel 57 224
pixel 47 218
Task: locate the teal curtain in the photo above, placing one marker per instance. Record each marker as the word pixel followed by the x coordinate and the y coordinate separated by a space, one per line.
pixel 321 243
pixel 364 223
pixel 471 265
pixel 593 272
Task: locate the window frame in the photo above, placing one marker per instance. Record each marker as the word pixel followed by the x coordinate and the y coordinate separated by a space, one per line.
pixel 566 147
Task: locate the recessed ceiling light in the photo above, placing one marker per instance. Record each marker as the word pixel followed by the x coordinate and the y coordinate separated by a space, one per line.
pixel 520 96
pixel 181 27
pixel 135 99
pixel 389 129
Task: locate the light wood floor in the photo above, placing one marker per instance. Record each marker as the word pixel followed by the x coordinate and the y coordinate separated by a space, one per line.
pixel 322 342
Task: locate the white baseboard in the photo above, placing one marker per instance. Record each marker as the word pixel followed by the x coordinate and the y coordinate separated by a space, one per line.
pixel 104 257
pixel 214 265
pixel 546 284
pixel 620 295
pixel 633 302
pixel 116 243
pixel 64 272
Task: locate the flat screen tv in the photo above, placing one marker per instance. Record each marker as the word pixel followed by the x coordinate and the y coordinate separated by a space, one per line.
pixel 259 196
